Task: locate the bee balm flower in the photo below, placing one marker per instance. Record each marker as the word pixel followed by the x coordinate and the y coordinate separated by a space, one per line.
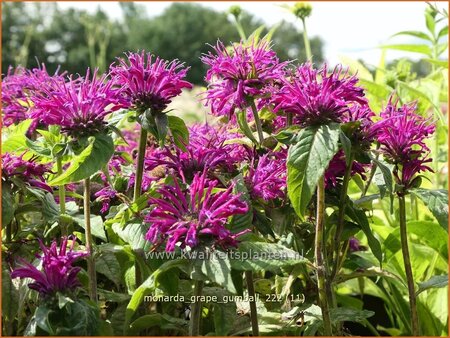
pixel 189 216
pixel 57 274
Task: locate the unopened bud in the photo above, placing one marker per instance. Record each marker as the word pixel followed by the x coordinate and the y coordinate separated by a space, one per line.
pixel 302 10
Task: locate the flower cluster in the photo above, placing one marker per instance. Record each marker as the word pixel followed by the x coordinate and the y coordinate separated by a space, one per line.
pixel 147 83
pixel 238 75
pixel 401 134
pixel 27 171
pixel 58 273
pixel 185 216
pixel 207 150
pixel 315 96
pixel 267 180
pixel 78 105
pixel 18 88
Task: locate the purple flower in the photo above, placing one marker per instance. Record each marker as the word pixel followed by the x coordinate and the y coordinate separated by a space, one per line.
pixel 401 134
pixel 207 150
pixel 105 195
pixel 18 87
pixel 79 106
pixel 28 171
pixel 268 179
pixel 193 215
pixel 318 97
pixel 239 75
pixel 354 245
pixel 336 169
pixel 57 273
pixel 147 83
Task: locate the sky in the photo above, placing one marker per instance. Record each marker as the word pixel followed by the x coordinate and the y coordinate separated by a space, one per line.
pixel 350 29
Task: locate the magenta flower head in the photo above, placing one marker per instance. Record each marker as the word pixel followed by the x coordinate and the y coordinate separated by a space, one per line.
pixel 147 83
pixel 336 169
pixel 18 86
pixel 79 105
pixel 317 97
pixel 57 273
pixel 27 171
pixel 267 180
pixel 193 216
pixel 401 134
pixel 239 75
pixel 207 150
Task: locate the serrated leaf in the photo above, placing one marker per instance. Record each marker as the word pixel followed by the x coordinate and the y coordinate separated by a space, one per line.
pixel 437 202
pixel 307 161
pixel 107 264
pixel 92 159
pixel 162 123
pixel 433 282
pixel 7 204
pixel 343 314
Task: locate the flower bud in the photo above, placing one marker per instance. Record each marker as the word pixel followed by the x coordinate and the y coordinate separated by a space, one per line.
pixel 236 11
pixel 302 10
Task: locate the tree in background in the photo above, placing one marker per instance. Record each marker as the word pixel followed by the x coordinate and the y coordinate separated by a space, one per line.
pixel 76 39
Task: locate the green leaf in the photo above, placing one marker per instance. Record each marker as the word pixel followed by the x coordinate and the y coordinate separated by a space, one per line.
pixel 217 268
pixel 240 223
pixel 107 264
pixel 10 298
pixel 430 22
pixel 439 63
pixel 161 122
pixel 443 32
pixel 50 210
pixel 437 202
pixel 7 204
pixel 421 49
pixel 416 34
pixel 243 125
pixel 378 90
pixel 42 319
pixel 97 228
pixel 307 161
pixel 356 66
pixel 144 322
pixel 148 286
pixel 179 131
pixel 431 234
pixel 433 282
pixel 360 218
pixel 383 177
pixel 133 234
pixel 92 159
pixel 14 139
pixel 346 146
pixel 343 314
pixel 261 256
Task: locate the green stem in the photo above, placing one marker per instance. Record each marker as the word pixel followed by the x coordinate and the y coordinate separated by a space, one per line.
pixel 289 118
pixel 196 310
pixel 320 268
pixel 140 164
pixel 251 295
pixel 408 269
pixel 340 221
pixel 89 247
pixel 306 41
pixel 257 122
pixel 62 197
pixel 240 30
